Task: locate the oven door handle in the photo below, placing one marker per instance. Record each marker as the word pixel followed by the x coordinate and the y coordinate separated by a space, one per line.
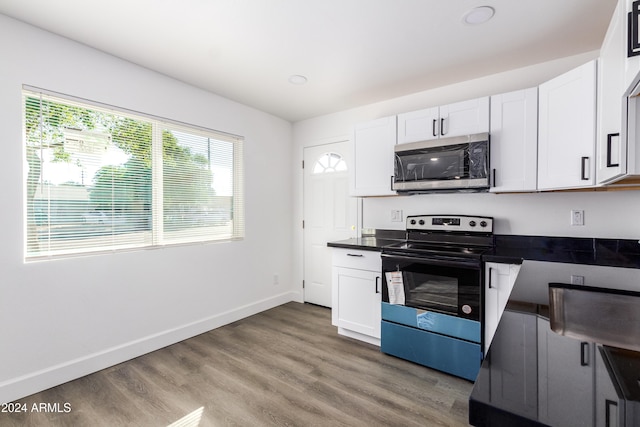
pixel 437 260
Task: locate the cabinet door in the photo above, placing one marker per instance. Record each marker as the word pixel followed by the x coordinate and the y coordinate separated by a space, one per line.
pixel 464 118
pixel 359 300
pixel 608 406
pixel 567 127
pixel 373 156
pixel 514 141
pixel 513 377
pixel 498 284
pixel 420 125
pixel 611 148
pixel 632 63
pixel 566 378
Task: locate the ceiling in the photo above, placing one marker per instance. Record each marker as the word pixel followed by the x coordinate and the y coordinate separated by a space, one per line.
pixel 353 52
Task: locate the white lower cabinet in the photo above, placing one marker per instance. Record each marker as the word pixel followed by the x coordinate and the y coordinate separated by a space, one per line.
pixel 499 280
pixel 356 294
pixel 513 373
pixel 609 408
pixel 565 378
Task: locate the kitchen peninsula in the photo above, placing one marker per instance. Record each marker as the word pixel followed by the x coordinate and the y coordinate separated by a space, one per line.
pixel 558 357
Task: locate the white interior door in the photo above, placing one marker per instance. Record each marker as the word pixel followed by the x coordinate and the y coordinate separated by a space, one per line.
pixel 329 214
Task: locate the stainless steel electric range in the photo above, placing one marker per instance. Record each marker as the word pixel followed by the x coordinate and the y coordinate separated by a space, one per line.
pixel 432 299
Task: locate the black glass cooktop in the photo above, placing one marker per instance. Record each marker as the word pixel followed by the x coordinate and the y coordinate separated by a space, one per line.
pixel 427 248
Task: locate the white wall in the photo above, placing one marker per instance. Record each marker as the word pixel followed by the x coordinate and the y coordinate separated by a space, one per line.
pixel 611 214
pixel 61 319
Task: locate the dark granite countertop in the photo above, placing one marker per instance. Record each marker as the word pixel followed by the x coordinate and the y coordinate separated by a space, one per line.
pixel 375 240
pixel 367 243
pixel 593 251
pixel 513 249
pixel 577 374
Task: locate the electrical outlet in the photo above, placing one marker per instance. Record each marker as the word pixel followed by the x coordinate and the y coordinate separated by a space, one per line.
pixel 577 217
pixel 577 280
pixel 396 215
pixel 276 280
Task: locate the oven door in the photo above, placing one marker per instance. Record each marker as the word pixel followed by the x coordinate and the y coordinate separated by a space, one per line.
pixel 438 283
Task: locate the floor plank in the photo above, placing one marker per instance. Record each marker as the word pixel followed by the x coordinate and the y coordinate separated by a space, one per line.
pixel 284 367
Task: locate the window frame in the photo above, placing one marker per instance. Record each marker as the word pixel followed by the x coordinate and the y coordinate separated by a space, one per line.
pixel 158 124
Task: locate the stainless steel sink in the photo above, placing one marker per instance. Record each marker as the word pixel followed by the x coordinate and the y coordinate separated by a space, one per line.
pixel 606 316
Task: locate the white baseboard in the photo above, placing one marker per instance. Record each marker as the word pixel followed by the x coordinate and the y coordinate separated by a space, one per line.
pixel 34 382
pixel 359 336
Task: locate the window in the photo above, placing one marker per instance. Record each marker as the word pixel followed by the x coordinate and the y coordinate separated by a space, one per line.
pixel 101 179
pixel 328 163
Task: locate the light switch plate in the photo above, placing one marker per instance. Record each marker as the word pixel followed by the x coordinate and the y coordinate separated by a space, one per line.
pixel 577 217
pixel 396 215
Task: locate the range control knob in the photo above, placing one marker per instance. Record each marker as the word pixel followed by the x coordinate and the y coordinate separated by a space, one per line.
pixel 413 222
pixel 472 223
pixel 421 222
pixel 483 223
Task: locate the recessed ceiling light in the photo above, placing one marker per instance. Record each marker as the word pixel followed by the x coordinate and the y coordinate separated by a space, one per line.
pixel 297 79
pixel 478 15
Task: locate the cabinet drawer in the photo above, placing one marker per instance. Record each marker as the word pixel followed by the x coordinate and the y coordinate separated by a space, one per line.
pixel 454 356
pixel 353 258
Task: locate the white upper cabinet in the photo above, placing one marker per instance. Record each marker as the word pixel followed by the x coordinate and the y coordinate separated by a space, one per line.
pixel 567 130
pixel 465 118
pixel 611 147
pixel 631 63
pixel 420 125
pixel 460 118
pixel 514 141
pixel 373 156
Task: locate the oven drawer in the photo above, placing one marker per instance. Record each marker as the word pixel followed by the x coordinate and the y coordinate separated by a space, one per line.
pixel 361 260
pixel 452 326
pixel 457 357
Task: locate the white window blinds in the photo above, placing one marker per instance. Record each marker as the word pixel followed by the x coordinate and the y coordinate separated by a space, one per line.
pixel 102 179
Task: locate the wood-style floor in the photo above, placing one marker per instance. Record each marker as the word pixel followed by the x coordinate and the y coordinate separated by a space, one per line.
pixel 286 366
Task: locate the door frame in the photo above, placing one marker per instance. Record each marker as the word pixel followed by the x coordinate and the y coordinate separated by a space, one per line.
pixel 298 253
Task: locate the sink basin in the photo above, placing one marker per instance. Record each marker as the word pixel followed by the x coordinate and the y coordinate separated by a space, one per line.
pixel 605 316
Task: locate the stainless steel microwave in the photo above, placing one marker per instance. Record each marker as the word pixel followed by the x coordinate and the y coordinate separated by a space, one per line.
pixel 459 163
